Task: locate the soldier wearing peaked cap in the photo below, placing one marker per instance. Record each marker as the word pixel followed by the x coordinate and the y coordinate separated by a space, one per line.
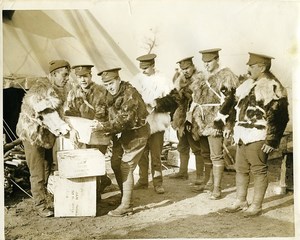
pixel 151 85
pixel 109 75
pixel 57 64
pixel 210 54
pixel 40 122
pixel 261 117
pixel 219 83
pixel 81 70
pixel 255 58
pixel 57 68
pixel 180 99
pixel 147 60
pixel 127 115
pixel 88 100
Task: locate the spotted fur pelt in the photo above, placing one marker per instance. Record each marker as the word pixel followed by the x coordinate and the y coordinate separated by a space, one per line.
pixel 41 96
pixel 262 111
pixel 127 110
pixel 212 89
pixel 90 104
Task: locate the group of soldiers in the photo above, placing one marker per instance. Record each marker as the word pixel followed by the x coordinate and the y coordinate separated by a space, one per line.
pixel 203 107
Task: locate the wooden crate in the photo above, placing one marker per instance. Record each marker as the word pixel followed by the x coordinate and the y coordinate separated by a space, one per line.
pixel 78 163
pixel 75 197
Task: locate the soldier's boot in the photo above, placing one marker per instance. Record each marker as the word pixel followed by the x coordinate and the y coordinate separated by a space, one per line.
pixel 208 180
pixel 217 174
pixel 260 187
pixel 240 204
pixel 199 170
pixel 209 174
pixel 125 207
pixel 105 181
pixel 43 210
pixel 183 169
pixel 118 175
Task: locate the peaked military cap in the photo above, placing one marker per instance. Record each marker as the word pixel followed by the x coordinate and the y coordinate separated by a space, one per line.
pixel 146 60
pixel 56 64
pixel 82 69
pixel 109 74
pixel 255 58
pixel 186 62
pixel 210 54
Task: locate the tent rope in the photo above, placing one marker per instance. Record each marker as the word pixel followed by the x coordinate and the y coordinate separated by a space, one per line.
pixel 21 188
pixel 9 133
pixel 22 87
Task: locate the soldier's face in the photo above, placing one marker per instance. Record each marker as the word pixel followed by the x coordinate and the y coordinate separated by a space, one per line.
pixel 211 65
pixel 61 77
pixel 255 71
pixel 84 80
pixel 113 86
pixel 148 71
pixel 188 72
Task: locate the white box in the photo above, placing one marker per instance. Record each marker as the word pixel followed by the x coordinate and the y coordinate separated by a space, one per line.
pixel 78 163
pixel 85 133
pixel 75 197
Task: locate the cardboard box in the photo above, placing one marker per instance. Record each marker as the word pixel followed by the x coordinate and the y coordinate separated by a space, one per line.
pixel 75 197
pixel 78 163
pixel 84 130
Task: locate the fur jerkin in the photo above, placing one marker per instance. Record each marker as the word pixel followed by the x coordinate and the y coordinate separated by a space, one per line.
pixel 90 104
pixel 224 83
pixel 127 110
pixel 177 102
pixel 42 95
pixel 269 100
pixel 150 88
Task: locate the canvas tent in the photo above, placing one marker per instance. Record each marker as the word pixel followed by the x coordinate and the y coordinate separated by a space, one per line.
pixel 32 39
pixel 114 33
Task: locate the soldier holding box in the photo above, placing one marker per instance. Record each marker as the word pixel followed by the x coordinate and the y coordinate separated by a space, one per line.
pixel 127 122
pixel 88 100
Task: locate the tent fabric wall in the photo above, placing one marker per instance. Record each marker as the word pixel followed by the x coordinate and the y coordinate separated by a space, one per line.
pixel 86 42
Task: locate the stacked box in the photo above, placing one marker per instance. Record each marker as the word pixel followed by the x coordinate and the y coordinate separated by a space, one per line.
pixel 75 197
pixel 75 191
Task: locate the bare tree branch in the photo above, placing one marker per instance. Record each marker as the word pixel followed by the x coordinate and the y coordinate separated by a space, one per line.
pixel 150 42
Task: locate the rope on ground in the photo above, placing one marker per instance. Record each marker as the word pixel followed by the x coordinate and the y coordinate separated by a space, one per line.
pixel 21 188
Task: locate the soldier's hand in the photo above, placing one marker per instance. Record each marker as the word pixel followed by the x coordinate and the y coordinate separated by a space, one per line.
pixel 97 126
pixel 74 136
pixel 150 109
pixel 226 133
pixel 267 149
pixel 188 126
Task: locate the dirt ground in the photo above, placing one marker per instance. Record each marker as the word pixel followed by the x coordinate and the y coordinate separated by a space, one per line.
pixel 179 213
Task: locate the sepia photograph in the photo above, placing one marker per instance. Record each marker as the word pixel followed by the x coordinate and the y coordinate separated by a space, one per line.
pixel 149 119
